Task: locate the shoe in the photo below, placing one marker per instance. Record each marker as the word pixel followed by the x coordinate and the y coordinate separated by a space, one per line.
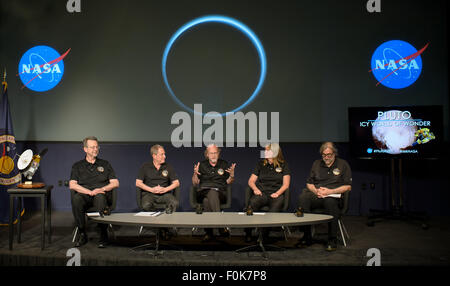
pixel 165 234
pixel 208 237
pixel 82 240
pixel 331 245
pixel 103 242
pixel 304 242
pixel 224 232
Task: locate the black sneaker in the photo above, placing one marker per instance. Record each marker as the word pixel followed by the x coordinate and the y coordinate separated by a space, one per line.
pixel 303 242
pixel 103 242
pixel 207 238
pixel 164 234
pixel 82 239
pixel 331 245
pixel 224 232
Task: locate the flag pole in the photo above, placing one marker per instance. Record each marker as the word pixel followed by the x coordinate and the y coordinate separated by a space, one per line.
pixel 4 79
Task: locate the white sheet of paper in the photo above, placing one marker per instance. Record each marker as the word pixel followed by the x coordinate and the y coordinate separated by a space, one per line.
pixel 148 213
pixel 335 196
pixel 93 214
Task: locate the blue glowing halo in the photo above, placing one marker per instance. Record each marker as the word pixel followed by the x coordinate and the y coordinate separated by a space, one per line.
pixel 233 23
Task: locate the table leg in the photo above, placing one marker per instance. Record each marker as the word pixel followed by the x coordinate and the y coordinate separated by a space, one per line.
pixel 49 213
pixel 43 212
pixel 157 241
pixel 260 242
pixel 11 225
pixel 19 219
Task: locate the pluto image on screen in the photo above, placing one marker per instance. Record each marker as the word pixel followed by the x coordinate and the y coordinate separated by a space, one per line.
pixel 408 131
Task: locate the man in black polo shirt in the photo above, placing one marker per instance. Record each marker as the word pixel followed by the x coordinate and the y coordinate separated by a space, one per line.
pixel 328 180
pixel 157 179
pixel 91 181
pixel 212 177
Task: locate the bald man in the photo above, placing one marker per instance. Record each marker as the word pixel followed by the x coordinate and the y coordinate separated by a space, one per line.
pixel 211 177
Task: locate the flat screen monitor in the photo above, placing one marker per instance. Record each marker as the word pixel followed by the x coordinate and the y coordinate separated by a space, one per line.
pixel 396 131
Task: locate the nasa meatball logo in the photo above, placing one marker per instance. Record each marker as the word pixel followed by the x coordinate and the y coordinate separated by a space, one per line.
pixel 278 169
pixel 336 171
pixel 41 68
pixel 165 173
pixel 220 171
pixel 396 64
pixel 100 169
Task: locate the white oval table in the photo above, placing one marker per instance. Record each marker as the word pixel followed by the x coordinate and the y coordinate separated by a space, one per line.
pixel 214 220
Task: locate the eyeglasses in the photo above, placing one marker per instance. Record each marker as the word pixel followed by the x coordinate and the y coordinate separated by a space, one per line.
pixel 325 155
pixel 94 147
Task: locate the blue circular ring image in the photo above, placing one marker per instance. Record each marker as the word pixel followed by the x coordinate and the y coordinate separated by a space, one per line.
pixel 228 21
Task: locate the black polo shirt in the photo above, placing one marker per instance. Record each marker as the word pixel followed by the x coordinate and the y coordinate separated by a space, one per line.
pixel 337 175
pixel 153 177
pixel 213 176
pixel 270 178
pixel 92 176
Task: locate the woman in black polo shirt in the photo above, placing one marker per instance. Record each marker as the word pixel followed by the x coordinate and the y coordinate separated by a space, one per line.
pixel 269 181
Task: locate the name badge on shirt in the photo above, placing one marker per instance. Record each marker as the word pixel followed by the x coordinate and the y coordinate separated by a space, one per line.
pixel 165 173
pixel 100 169
pixel 220 171
pixel 336 171
pixel 278 169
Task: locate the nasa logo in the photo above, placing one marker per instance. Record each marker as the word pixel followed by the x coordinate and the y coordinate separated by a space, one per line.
pixel 41 68
pixel 396 64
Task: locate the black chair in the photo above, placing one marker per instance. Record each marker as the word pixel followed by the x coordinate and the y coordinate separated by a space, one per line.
pixel 193 198
pixel 344 208
pixel 139 193
pixel 287 196
pixel 161 206
pixel 194 203
pixel 111 201
pixel 260 243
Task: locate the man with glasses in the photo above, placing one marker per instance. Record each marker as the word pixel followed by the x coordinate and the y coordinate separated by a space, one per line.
pixel 91 181
pixel 329 178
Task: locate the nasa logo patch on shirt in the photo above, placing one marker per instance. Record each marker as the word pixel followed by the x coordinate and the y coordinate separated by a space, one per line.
pixel 220 171
pixel 100 169
pixel 165 173
pixel 336 171
pixel 278 169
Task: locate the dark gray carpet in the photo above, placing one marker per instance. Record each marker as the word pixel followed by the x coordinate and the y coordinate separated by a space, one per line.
pixel 401 243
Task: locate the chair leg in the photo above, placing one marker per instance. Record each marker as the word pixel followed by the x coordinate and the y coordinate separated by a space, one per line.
pixel 112 231
pixel 286 232
pixel 342 233
pixel 345 230
pixel 75 232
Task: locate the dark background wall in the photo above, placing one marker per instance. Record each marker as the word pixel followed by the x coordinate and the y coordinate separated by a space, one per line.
pixel 425 182
pixel 318 61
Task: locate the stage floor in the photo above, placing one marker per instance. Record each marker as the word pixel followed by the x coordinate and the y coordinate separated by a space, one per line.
pixel 400 243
